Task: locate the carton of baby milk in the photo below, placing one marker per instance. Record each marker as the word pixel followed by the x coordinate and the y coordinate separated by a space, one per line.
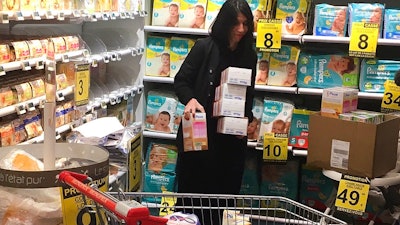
pixel 195 132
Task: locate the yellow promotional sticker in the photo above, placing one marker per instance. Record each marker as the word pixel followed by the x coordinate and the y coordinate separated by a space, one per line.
pixel 352 194
pixel 275 146
pixel 363 39
pixel 391 97
pixel 82 82
pixel 269 35
pixel 167 204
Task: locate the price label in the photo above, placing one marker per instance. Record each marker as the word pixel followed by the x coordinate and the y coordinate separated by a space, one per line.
pixel 391 97
pixel 275 146
pixel 82 81
pixel 167 204
pixel 269 35
pixel 363 39
pixel 352 194
pixel 135 162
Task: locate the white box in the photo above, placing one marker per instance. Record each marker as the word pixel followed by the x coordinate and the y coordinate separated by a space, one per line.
pixel 235 75
pixel 229 107
pixel 232 125
pixel 230 91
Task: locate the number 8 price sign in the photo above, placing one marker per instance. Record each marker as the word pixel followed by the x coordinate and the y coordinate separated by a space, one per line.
pixel 269 35
pixel 352 194
pixel 363 39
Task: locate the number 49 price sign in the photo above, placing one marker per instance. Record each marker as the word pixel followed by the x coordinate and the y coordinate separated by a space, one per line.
pixel 269 35
pixel 352 194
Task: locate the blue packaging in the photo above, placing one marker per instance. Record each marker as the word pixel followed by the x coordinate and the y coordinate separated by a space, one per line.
pixel 391 26
pixel 330 20
pixel 324 70
pixel 366 12
pixel 375 72
pixel 161 158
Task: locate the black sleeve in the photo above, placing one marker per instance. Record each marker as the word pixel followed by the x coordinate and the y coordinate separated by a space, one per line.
pixel 250 89
pixel 185 79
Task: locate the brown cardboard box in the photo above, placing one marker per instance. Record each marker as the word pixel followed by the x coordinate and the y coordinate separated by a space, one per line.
pixel 371 149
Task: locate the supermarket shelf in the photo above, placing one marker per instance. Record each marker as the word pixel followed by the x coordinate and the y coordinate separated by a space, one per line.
pixel 35 101
pixel 291 90
pixel 291 37
pixel 299 152
pixel 159 135
pixel 18 65
pixel 325 39
pixel 309 91
pixel 40 138
pixel 165 80
pixel 370 95
pixel 117 54
pixel 174 30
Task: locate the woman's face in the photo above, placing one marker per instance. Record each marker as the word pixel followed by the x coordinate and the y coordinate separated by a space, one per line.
pixel 239 30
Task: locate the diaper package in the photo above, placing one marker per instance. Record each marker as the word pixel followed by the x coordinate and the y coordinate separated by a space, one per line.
pixel 250 180
pixel 330 20
pixel 280 179
pixel 316 190
pixel 158 56
pixel 366 12
pixel 262 68
pixel 374 73
pixel 179 48
pixel 259 9
pixel 283 66
pixel 157 183
pixel 276 117
pixel 193 13
pixel 213 7
pixel 160 111
pixel 253 129
pixel 391 26
pixel 324 70
pixel 178 116
pixel 166 13
pixel 298 134
pixel 161 158
pixel 293 14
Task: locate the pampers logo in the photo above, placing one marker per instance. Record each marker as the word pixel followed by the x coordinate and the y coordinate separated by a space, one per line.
pixel 160 178
pixel 321 68
pixel 300 124
pixel 156 47
pixel 394 17
pixel 289 6
pixel 380 73
pixel 180 50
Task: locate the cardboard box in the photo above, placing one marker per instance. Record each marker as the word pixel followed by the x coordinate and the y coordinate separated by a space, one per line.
pixel 230 91
pixel 232 125
pixel 229 107
pixel 355 148
pixel 236 75
pixel 195 133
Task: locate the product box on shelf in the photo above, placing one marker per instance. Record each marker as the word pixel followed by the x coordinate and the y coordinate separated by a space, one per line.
pixel 355 148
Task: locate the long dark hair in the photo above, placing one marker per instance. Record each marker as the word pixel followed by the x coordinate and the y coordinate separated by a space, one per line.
pixel 227 18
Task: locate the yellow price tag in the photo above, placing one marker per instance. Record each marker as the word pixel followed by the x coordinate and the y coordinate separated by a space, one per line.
pixel 275 146
pixel 269 35
pixel 363 39
pixel 135 162
pixel 82 82
pixel 167 204
pixel 391 97
pixel 352 194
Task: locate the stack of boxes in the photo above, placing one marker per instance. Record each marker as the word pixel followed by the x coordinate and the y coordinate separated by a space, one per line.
pixel 230 99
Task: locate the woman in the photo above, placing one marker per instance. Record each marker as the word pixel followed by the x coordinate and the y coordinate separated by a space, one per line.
pixel 219 169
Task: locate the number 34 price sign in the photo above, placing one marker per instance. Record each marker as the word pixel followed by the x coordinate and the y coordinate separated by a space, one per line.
pixel 269 35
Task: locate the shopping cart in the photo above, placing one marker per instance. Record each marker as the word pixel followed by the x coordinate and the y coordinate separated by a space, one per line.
pixel 142 208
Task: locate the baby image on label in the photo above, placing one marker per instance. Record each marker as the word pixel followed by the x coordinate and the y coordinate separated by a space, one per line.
pixel 180 47
pixel 293 15
pixel 276 117
pixel 158 56
pixel 262 67
pixel 160 113
pixel 324 70
pixel 193 13
pixel 258 7
pixel 330 20
pixel 366 12
pixel 161 158
pixel 165 13
pixel 283 66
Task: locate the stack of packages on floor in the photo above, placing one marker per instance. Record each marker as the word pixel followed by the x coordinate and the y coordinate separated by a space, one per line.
pixel 230 99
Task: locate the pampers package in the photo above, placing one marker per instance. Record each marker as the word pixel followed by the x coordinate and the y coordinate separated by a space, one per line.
pixel 330 20
pixel 316 70
pixel 366 12
pixel 280 179
pixel 253 128
pixel 193 13
pixel 391 26
pixel 276 117
pixel 213 7
pixel 178 116
pixel 293 14
pixel 158 56
pixel 160 111
pixel 374 73
pixel 165 13
pixel 259 9
pixel 283 66
pixel 161 158
pixel 179 49
pixel 298 134
pixel 262 68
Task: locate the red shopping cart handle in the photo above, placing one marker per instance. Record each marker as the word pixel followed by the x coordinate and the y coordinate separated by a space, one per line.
pixel 131 215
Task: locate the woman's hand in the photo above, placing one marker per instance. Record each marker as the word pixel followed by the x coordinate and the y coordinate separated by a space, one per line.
pixel 191 107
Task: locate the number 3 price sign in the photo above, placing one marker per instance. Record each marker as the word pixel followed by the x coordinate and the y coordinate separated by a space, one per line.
pixel 363 39
pixel 269 35
pixel 352 194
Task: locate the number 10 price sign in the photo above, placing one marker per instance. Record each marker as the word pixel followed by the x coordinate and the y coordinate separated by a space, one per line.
pixel 269 35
